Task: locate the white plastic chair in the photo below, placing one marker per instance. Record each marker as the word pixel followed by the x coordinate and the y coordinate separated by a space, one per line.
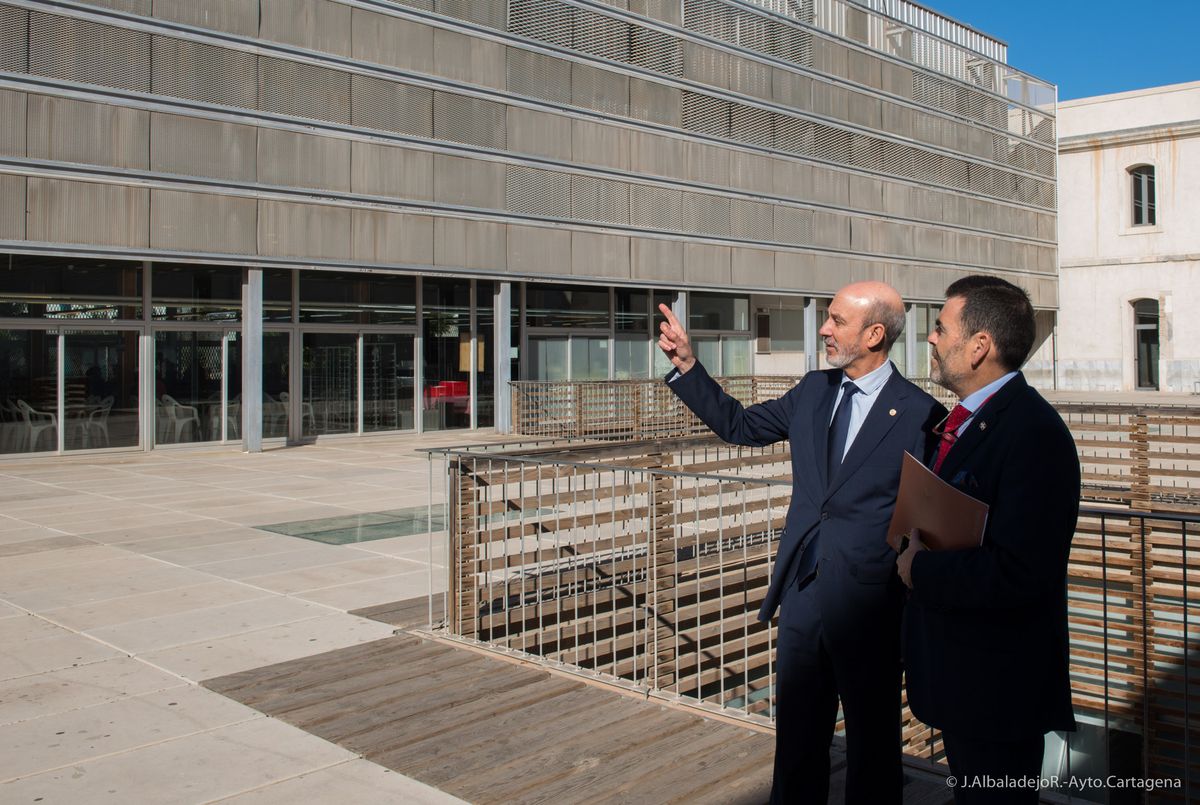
pixel 36 423
pixel 307 414
pixel 182 416
pixel 97 420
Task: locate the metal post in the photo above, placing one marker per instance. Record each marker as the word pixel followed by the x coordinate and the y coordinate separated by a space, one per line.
pixel 810 334
pixel 252 360
pixel 679 307
pixel 910 340
pixel 501 361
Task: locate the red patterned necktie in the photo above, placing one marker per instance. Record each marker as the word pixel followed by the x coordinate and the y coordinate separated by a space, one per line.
pixel 959 415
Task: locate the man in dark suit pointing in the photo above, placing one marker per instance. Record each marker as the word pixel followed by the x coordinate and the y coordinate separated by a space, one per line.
pixel 834 580
pixel 985 631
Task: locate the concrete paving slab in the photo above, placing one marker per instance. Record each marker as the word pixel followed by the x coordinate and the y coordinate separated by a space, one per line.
pixel 165 631
pixel 58 559
pixel 51 654
pixel 305 554
pixel 358 595
pixel 41 544
pixel 197 535
pixel 83 617
pixel 62 739
pixel 248 543
pixel 194 768
pixel 358 781
pixel 210 658
pixel 315 578
pixel 72 688
pixel 127 578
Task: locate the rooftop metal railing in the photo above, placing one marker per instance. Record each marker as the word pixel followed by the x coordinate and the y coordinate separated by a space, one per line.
pixel 645 563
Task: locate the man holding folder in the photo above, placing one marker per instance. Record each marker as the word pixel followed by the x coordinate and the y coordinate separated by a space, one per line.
pixel 985 629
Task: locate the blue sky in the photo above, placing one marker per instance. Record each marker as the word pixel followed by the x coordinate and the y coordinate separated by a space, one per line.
pixel 1091 48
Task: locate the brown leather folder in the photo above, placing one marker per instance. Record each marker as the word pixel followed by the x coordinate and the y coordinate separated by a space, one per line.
pixel 947 518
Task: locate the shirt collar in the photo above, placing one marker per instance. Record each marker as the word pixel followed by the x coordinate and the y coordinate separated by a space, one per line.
pixel 977 398
pixel 874 380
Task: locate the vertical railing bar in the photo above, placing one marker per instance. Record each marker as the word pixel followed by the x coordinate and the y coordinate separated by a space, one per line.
pixel 720 595
pixel 770 572
pixel 1145 658
pixel 696 556
pixel 745 607
pixel 429 531
pixel 1187 665
pixel 577 565
pixel 537 567
pixel 558 558
pixel 596 569
pixel 613 592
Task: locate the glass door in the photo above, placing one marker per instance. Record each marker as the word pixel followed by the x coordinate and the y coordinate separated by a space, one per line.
pixel 28 391
pixel 388 372
pixel 329 378
pixel 100 389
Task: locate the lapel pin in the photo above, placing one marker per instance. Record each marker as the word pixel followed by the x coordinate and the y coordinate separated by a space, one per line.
pixel 892 412
pixel 983 426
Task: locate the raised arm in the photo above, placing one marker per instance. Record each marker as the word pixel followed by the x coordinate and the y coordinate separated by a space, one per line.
pixel 757 425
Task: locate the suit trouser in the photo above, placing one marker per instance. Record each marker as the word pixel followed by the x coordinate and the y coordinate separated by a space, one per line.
pixel 986 771
pixel 814 668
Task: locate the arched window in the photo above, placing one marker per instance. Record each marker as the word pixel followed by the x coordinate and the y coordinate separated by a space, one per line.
pixel 1142 177
pixel 1145 338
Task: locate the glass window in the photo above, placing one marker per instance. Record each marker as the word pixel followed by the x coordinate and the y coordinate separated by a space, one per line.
pixel 718 312
pixel 735 356
pixel 632 310
pixel 485 376
pixel 446 313
pixel 631 357
pixel 1143 195
pixel 100 394
pixel 787 330
pixel 277 294
pixel 589 358
pixel 1145 313
pixel 330 380
pixel 926 316
pixel 566 306
pixel 548 358
pixel 388 372
pixel 276 412
pixel 67 288
pixel 196 293
pixel 187 386
pixel 28 391
pixel 332 297
pixel 708 352
pixel 660 362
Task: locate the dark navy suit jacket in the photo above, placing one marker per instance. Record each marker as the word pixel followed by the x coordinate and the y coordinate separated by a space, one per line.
pixel 849 512
pixel 985 630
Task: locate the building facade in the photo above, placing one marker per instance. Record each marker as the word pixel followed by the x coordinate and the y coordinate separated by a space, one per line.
pixel 1130 247
pixel 227 220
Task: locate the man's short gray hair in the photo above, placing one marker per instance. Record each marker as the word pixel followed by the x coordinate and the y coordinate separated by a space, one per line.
pixel 890 316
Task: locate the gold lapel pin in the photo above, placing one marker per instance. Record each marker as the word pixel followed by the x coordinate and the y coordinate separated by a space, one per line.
pixel 892 412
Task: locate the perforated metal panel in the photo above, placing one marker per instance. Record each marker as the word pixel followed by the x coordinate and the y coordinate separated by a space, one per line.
pixel 131 6
pixel 538 192
pixel 473 121
pixel 594 199
pixel 66 130
pixel 391 106
pixel 196 147
pixel 751 220
pixel 792 225
pixel 655 208
pixel 321 25
pixel 491 13
pixel 602 90
pixel 656 50
pixel 303 90
pixel 12 207
pixel 195 221
pixel 14 39
pixel 794 135
pixel 292 159
pixel 234 16
pixel 200 72
pixel 88 52
pixel 601 35
pixel 831 144
pixel 752 125
pixel 536 75
pixel 12 123
pixel 706 114
pixel 543 20
pixel 704 214
pixel 304 230
pixel 84 212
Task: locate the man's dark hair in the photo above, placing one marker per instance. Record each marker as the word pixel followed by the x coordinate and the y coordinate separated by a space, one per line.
pixel 1000 309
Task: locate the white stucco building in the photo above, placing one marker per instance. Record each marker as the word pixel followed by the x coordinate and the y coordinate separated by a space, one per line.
pixel 1129 243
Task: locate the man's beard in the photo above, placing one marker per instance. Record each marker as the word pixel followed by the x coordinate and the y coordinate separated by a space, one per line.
pixel 939 375
pixel 843 357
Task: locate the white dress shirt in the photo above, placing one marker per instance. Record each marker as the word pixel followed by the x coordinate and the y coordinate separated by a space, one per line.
pixel 869 386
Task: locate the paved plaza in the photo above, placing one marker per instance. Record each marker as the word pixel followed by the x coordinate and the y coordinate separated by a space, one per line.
pixel 127 579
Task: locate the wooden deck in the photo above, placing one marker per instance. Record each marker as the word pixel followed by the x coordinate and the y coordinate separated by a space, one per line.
pixel 490 730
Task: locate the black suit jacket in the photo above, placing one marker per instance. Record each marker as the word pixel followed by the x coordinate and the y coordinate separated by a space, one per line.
pixel 850 511
pixel 985 629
